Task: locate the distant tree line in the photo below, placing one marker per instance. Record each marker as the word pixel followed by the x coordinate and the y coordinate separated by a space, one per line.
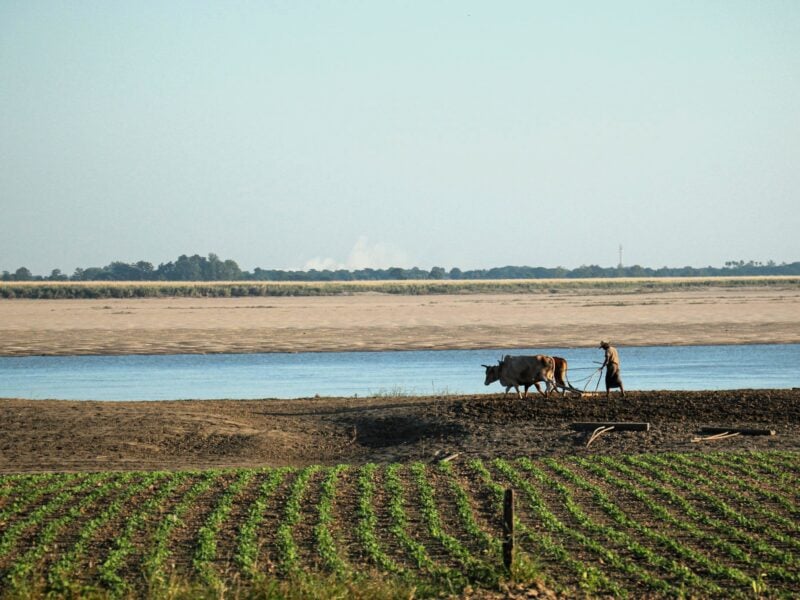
pixel 211 268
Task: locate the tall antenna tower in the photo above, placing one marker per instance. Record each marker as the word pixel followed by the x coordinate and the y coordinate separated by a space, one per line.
pixel 620 256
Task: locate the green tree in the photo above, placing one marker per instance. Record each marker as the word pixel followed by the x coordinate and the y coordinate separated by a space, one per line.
pixel 146 269
pixel 22 274
pixel 188 268
pixel 230 271
pixel 396 273
pixel 211 267
pixel 120 271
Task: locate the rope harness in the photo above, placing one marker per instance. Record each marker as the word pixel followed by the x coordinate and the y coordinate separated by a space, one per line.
pixel 590 377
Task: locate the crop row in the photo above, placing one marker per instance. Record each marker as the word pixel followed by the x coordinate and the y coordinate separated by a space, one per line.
pixel 722 525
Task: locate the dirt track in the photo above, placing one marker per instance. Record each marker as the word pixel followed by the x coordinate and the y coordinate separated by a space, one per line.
pixel 43 435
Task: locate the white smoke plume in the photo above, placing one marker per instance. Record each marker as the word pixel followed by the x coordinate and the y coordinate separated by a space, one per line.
pixel 364 255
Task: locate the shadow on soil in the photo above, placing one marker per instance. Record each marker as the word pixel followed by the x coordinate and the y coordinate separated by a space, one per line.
pixel 383 432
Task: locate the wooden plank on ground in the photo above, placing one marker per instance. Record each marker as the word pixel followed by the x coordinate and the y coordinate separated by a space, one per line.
pixel 741 430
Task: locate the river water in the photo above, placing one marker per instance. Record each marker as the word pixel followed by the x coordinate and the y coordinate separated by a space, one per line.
pixel 280 375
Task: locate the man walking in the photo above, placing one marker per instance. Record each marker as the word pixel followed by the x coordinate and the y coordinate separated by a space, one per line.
pixel 611 363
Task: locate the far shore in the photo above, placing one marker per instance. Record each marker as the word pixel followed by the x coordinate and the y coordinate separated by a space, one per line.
pixel 578 318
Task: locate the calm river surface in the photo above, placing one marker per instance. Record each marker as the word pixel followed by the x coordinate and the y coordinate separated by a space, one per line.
pixel 211 376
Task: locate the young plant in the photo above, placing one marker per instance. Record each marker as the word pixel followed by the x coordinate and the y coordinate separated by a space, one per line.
pixel 247 547
pixel 206 550
pixel 288 555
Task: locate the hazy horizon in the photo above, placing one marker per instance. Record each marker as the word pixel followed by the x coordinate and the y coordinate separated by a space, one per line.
pixel 456 134
pixel 354 269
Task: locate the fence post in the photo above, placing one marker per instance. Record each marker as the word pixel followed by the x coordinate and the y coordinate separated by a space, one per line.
pixel 508 529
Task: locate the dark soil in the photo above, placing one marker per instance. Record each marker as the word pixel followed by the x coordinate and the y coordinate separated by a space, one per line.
pixel 49 435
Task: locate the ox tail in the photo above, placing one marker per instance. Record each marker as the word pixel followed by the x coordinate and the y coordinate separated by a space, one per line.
pixel 563 379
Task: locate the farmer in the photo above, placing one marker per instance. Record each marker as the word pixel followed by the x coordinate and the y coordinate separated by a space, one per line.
pixel 611 363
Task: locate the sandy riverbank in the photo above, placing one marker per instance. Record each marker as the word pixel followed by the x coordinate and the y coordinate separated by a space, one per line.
pixel 709 315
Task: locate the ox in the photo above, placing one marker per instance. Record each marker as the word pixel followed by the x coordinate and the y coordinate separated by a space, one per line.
pixel 515 371
pixel 560 376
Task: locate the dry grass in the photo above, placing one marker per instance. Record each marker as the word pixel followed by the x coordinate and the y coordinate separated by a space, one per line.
pixel 145 289
pixel 411 282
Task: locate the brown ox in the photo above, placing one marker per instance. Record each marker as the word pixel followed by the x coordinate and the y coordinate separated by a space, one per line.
pixel 515 371
pixel 560 375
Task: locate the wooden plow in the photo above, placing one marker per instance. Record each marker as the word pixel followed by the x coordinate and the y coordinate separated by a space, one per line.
pixel 594 430
pixel 573 390
pixel 597 433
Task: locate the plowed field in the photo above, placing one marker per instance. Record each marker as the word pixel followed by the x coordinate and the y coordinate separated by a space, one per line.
pixel 37 435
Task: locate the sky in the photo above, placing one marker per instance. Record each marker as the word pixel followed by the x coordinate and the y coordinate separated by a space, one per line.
pixel 355 134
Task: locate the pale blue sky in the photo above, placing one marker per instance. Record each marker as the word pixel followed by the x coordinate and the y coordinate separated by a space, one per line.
pixel 351 134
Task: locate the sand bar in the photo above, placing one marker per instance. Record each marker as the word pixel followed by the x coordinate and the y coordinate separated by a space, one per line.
pixel 708 315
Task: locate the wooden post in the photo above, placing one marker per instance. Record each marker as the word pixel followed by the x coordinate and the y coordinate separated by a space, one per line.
pixel 508 529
